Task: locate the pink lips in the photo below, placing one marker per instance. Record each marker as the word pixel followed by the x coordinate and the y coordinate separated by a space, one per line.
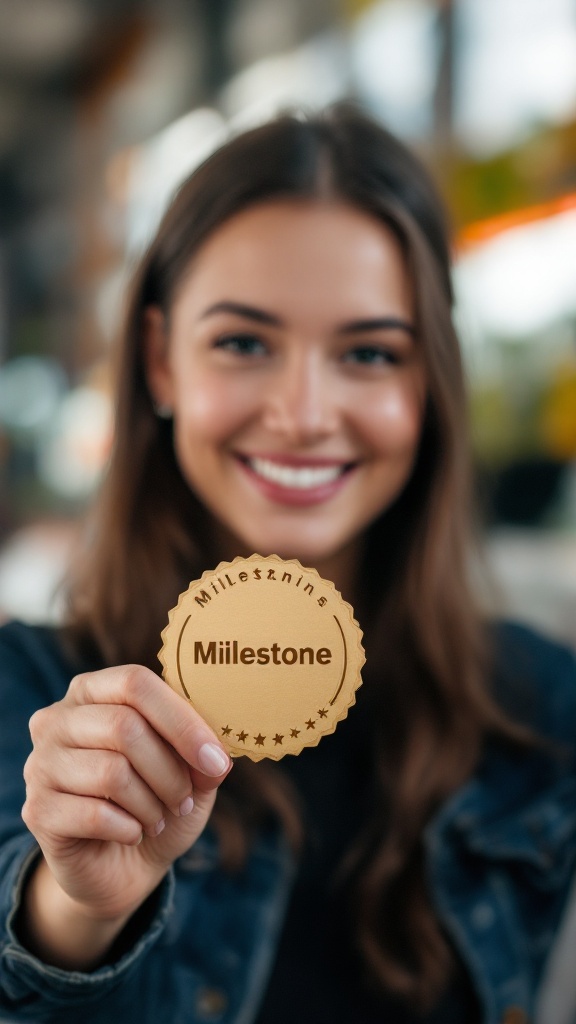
pixel 294 480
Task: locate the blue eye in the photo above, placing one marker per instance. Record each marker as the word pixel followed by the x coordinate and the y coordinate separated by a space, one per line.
pixel 241 344
pixel 371 355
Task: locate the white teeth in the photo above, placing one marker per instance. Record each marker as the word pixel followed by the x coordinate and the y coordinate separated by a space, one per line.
pixel 291 476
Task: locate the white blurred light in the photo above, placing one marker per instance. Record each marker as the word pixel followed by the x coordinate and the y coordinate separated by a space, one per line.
pixel 516 69
pixel 73 456
pixel 32 565
pixel 521 281
pixel 162 164
pixel 312 75
pixel 31 389
pixel 394 62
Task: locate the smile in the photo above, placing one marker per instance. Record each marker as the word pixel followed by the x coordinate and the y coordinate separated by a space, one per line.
pixel 301 478
pixel 294 482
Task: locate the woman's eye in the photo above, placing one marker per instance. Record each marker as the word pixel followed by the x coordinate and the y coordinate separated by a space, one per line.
pixel 241 344
pixel 372 355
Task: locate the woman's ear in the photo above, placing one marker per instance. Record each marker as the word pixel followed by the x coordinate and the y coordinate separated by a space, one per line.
pixel 157 366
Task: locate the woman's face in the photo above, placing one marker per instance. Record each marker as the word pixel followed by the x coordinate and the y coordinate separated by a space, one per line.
pixel 294 375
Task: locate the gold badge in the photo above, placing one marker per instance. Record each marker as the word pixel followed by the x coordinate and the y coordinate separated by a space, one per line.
pixel 267 652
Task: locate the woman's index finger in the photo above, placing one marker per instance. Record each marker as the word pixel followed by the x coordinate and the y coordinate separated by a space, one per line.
pixel 169 715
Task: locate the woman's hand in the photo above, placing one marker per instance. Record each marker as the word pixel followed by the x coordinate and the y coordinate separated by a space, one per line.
pixel 121 781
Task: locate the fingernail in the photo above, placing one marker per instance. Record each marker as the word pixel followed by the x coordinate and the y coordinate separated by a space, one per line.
pixel 186 806
pixel 156 829
pixel 213 760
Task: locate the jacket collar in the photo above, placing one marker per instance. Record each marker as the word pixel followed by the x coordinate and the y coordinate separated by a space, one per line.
pixel 516 808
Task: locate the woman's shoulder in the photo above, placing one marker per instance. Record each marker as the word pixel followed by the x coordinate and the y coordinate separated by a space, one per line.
pixel 534 679
pixel 23 639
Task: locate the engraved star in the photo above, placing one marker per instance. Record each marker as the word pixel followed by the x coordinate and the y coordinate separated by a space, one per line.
pixel 242 736
pixel 278 739
pixel 294 732
pixel 322 712
pixel 310 724
pixel 226 730
pixel 259 740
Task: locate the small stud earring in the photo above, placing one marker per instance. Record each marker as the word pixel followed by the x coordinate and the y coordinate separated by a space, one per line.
pixel 163 410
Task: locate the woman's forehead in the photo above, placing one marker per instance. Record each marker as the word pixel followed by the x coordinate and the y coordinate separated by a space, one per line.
pixel 291 252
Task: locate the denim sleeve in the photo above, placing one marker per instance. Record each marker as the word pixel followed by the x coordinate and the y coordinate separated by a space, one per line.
pixel 31 990
pixel 33 675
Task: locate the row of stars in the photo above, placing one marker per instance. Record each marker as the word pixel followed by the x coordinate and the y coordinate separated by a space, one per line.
pixel 278 738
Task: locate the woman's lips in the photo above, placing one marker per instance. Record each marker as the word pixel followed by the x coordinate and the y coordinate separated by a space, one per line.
pixel 295 482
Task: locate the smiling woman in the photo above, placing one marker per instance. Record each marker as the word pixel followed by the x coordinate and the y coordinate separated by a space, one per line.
pixel 294 315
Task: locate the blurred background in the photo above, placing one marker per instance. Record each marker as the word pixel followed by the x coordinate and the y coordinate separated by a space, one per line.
pixel 106 104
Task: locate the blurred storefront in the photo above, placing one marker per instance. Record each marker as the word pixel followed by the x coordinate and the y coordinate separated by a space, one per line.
pixel 104 107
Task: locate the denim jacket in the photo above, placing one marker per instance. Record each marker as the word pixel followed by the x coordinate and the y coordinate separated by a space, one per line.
pixel 501 857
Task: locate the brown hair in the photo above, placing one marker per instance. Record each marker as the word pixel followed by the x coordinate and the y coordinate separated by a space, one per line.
pixel 151 535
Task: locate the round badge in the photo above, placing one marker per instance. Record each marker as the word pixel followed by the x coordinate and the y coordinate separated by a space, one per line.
pixel 267 652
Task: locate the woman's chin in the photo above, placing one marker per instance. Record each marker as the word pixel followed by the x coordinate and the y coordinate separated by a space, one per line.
pixel 314 548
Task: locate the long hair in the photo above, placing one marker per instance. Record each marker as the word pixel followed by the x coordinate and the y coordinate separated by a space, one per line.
pixel 425 641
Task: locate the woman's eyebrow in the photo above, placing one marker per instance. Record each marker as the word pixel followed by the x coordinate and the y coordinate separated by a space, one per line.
pixel 261 316
pixel 382 323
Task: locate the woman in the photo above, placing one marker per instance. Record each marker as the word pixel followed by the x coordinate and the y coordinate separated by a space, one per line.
pixel 289 382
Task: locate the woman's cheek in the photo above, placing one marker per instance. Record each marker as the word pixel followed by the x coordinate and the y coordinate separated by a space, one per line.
pixel 395 418
pixel 216 409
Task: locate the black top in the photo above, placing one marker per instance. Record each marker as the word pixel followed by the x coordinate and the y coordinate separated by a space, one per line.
pixel 316 968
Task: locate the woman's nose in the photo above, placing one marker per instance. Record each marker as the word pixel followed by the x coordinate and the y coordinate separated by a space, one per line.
pixel 301 402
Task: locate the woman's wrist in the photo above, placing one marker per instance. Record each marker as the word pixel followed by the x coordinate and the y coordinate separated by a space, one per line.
pixel 60 931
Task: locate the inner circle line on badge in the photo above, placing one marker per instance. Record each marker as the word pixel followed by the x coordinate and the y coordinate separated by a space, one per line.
pixel 345 663
pixel 178 657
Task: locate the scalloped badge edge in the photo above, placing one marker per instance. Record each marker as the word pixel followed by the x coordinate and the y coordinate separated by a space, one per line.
pixel 232 750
